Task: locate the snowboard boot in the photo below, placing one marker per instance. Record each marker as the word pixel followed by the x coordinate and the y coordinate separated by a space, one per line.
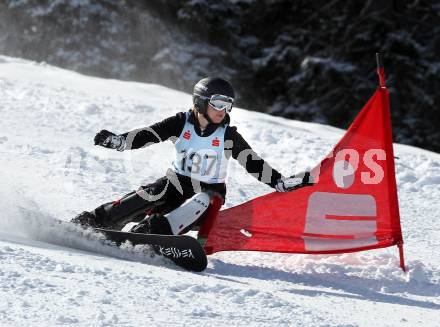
pixel 154 224
pixel 86 219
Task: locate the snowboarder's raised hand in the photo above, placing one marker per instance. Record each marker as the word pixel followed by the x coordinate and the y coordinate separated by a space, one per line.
pixel 110 140
pixel 294 182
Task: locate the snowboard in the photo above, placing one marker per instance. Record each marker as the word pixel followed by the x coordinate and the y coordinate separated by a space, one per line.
pixel 185 251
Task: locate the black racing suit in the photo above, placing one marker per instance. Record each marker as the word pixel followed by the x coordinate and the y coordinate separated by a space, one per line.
pixel 169 192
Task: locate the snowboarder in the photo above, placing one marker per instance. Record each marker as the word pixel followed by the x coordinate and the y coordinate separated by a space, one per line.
pixel 204 142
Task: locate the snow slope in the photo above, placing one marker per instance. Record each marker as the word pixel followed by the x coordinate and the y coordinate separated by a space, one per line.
pixel 50 170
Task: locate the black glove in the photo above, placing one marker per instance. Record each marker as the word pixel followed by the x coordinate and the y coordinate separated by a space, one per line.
pixel 110 140
pixel 294 182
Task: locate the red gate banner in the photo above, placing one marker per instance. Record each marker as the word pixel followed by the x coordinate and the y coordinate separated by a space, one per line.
pixel 352 207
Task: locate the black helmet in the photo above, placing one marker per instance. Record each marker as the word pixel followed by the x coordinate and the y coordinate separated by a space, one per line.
pixel 207 87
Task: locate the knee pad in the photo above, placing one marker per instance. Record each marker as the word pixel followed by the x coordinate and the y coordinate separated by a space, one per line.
pixel 188 213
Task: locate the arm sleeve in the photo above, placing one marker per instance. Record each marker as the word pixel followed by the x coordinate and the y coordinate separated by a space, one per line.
pixel 240 150
pixel 158 132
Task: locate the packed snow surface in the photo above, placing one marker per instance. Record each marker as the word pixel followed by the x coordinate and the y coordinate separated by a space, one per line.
pixel 53 274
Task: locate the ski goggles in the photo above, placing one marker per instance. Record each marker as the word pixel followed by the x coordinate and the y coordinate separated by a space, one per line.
pixel 221 102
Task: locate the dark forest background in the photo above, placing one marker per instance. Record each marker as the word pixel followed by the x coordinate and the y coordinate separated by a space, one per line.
pixel 306 60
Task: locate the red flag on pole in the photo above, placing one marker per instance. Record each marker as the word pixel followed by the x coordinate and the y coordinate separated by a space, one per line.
pixel 352 207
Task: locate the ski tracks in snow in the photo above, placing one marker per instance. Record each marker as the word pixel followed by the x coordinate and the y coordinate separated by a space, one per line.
pixel 51 171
